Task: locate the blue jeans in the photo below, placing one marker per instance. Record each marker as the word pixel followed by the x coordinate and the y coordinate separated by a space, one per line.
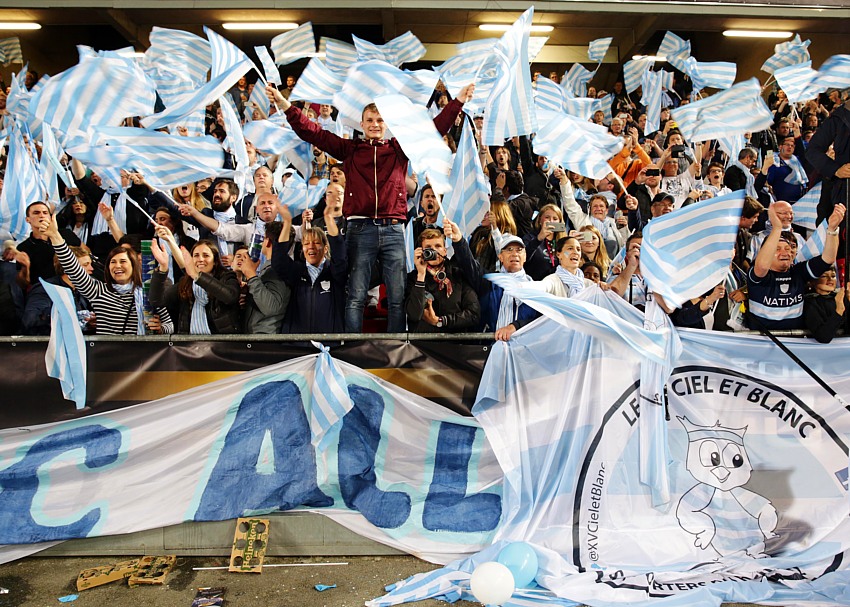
pixel 367 242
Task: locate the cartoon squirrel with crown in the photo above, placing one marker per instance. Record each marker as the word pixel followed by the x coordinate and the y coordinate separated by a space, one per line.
pixel 718 510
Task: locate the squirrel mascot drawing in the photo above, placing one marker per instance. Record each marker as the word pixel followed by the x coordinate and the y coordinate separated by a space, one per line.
pixel 717 510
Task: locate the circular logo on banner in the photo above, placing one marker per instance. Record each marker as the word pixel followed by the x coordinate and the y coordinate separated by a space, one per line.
pixel 754 471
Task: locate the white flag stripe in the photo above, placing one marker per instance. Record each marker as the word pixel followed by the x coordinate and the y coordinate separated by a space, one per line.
pixel 415 131
pixel 814 244
pixel 687 252
pixel 295 44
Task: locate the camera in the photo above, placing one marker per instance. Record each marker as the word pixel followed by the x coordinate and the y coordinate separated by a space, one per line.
pixel 677 151
pixel 429 254
pixel 653 172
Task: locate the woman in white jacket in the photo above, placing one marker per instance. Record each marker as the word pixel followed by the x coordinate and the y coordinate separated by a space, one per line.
pixel 568 280
pixel 613 235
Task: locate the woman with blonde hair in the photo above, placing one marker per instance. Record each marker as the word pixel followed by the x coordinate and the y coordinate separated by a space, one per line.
pixel 481 244
pixel 188 194
pixel 591 249
pixel 541 258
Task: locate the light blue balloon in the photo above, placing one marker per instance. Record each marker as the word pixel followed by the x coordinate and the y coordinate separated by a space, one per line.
pixel 521 559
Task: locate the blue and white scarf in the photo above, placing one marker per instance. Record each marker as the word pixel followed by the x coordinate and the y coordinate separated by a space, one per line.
pixel 574 283
pixel 228 216
pixel 119 211
pixel 314 271
pixel 139 301
pixel 508 306
pixel 198 324
pixel 751 181
pixel 797 176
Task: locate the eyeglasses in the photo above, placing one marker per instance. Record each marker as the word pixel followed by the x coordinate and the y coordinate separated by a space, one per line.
pixel 514 249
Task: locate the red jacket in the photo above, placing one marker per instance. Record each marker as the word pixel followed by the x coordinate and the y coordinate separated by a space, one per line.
pixel 375 171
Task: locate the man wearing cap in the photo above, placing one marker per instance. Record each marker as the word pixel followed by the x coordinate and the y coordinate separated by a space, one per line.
pixel 500 312
pixel 375 200
pixel 661 204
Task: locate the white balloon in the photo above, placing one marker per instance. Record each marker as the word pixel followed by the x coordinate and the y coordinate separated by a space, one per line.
pixel 492 583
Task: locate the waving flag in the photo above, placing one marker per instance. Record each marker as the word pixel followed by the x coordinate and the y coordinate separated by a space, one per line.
pixel 66 350
pixel 577 145
pixel 687 252
pixel 339 56
pixel 469 199
pixel 535 45
pixel 19 99
pixel 711 74
pixel 21 187
pixel 835 72
pixel 651 99
pixel 806 208
pixel 270 70
pixel 330 399
pixel 293 45
pixel 732 145
pixel 576 80
pixel 10 51
pixel 814 244
pixel 787 53
pixel 228 65
pixel 469 62
pixel 597 48
pixel 234 142
pixel 633 72
pixel 549 96
pixel 51 169
pixel 737 110
pixel 509 109
pixel 184 54
pixel 799 81
pixel 675 49
pixel 371 79
pixel 271 138
pixel 415 131
pixel 317 83
pixel 258 99
pixel 299 196
pixel 97 91
pixel 402 49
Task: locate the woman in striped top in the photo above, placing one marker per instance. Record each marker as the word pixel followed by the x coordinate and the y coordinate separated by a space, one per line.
pixel 118 301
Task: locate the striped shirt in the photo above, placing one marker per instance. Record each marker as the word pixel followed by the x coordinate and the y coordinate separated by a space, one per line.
pixel 116 312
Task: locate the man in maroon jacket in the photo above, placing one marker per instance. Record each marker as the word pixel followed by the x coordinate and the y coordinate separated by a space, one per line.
pixel 375 204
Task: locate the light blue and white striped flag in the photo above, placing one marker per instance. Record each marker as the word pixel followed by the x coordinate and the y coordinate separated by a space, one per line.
pixel 66 350
pixel 806 208
pixel 577 145
pixel 732 145
pixel 675 50
pixel 330 400
pixel 10 51
pixel 184 54
pixel 597 48
pixel 666 79
pixel 409 247
pixel 234 142
pixel 633 72
pixel 535 45
pixel 469 199
pixel 99 91
pixel 814 243
pixel 317 83
pixel 51 169
pixel 687 252
pixel 711 74
pixel 835 72
pixel 293 45
pixel 787 53
pixel 22 186
pixel 734 111
pixel 799 81
pixel 257 99
pixel 271 138
pixel 414 129
pixel 401 49
pixel 228 65
pixel 509 110
pixel 106 162
pixel 339 56
pixel 472 60
pixel 299 196
pixel 370 79
pixel 575 80
pixel 651 99
pixel 165 160
pixel 270 70
pixel 549 95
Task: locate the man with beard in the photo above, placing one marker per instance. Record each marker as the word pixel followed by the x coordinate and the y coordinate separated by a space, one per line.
pixel 222 213
pixel 429 203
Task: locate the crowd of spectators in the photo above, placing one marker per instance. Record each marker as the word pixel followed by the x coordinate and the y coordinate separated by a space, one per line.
pixel 223 260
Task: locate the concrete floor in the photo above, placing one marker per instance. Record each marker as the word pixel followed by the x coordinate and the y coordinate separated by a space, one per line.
pixel 40 581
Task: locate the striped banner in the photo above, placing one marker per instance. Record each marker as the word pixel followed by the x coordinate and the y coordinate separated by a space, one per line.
pixel 234 142
pixel 651 99
pixel 271 138
pixel 676 50
pixel 65 357
pixel 10 51
pixel 415 131
pixel 165 160
pixel 293 45
pixel 370 79
pixel 509 110
pixel 787 53
pixel 317 83
pixel 711 74
pixel 549 96
pixel 179 52
pixel 687 252
pixel 469 199
pixel 467 64
pixel 50 167
pixel 22 185
pixel 330 399
pixel 402 49
pixel 299 196
pixel 339 56
pixel 19 99
pixel 270 70
pixel 576 80
pixel 835 72
pixel 732 145
pixel 737 110
pixel 97 91
pixel 633 72
pixel 799 81
pixel 228 65
pixel 806 208
pixel 814 244
pixel 597 48
pixel 577 145
pixel 257 99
